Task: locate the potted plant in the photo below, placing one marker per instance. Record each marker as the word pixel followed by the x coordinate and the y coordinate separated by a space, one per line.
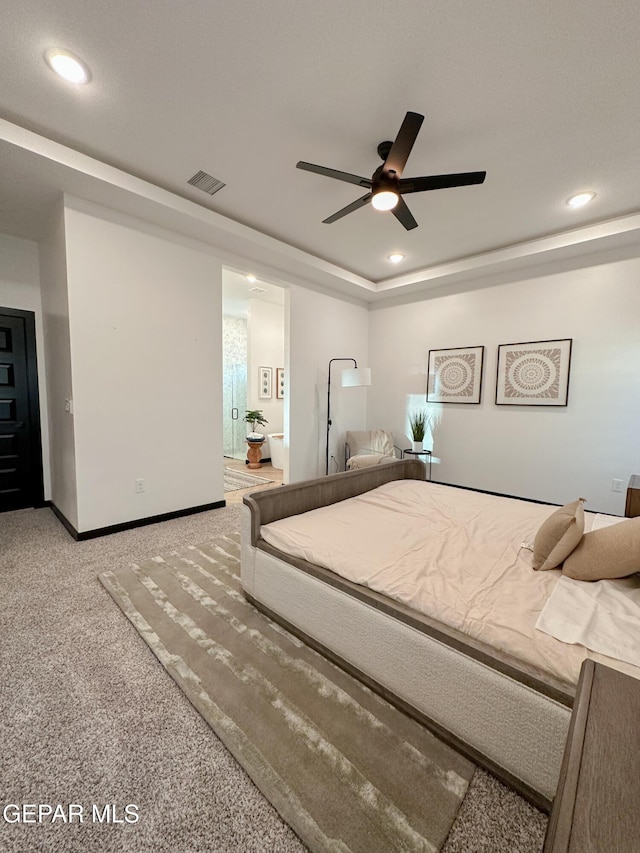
pixel 418 425
pixel 253 417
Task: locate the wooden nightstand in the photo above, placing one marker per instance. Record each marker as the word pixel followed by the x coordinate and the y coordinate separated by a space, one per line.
pixel 632 508
pixel 597 805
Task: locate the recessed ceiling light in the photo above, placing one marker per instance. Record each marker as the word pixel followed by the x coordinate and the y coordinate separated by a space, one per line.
pixel 67 66
pixel 251 277
pixel 580 199
pixel 395 257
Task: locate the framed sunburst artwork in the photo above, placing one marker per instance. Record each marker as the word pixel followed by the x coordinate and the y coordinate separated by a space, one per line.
pixel 455 375
pixel 535 373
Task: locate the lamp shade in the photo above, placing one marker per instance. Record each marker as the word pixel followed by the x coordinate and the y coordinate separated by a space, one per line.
pixel 354 377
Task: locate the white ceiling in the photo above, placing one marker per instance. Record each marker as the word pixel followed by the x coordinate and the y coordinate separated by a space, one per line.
pixel 238 291
pixel 543 95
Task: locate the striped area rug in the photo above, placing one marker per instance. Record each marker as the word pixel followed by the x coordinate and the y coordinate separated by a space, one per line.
pixel 234 480
pixel 345 769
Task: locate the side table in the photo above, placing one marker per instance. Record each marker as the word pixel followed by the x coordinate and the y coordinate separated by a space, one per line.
pixel 417 454
pixel 254 454
pixel 632 508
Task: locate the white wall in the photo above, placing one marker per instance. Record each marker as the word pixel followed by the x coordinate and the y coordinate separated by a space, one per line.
pixel 55 306
pixel 320 328
pixel 146 326
pixel 265 348
pixel 143 364
pixel 20 289
pixel 551 454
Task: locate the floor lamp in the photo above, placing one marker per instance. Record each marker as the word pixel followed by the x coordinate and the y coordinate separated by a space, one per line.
pixel 352 377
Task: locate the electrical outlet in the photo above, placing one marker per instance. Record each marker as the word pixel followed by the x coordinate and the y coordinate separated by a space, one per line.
pixel 616 485
pixel 139 486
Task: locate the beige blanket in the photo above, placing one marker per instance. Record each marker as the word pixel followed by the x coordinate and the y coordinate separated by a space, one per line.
pixel 356 463
pixel 452 554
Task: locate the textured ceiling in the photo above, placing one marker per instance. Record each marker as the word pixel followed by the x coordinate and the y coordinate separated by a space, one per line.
pixel 544 96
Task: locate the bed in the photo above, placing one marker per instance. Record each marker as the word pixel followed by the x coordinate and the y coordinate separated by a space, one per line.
pixel 489 683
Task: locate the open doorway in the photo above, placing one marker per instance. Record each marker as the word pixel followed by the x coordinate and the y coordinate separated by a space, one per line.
pixel 253 317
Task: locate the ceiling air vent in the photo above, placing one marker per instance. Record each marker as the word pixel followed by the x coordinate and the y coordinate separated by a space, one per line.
pixel 206 182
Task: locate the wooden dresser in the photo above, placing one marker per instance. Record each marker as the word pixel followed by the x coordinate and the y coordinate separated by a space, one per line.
pixel 597 803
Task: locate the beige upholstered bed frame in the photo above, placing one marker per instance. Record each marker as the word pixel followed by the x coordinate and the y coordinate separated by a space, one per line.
pixel 503 714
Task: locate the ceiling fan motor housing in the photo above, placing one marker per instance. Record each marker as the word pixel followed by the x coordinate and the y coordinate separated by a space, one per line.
pixel 385 182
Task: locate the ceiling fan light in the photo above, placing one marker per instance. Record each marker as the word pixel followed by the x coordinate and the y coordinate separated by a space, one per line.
pixel 385 200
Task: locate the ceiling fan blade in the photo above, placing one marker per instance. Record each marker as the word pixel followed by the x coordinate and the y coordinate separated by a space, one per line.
pixel 334 173
pixel 404 215
pixel 441 182
pixel 401 148
pixel 349 209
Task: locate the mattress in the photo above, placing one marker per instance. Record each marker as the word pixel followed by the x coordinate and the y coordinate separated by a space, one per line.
pixel 452 554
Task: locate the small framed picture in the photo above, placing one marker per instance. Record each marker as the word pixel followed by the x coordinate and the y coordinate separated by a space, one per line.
pixel 535 373
pixel 266 375
pixel 280 383
pixel 455 375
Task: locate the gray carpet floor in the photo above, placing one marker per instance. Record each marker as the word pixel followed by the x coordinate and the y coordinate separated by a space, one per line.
pixel 89 716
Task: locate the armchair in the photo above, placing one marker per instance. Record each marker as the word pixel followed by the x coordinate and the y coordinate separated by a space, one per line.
pixel 369 447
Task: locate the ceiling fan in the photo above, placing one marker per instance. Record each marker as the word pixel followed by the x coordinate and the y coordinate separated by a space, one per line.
pixel 387 186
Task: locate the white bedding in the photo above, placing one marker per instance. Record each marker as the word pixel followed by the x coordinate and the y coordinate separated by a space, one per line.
pixel 603 616
pixel 452 554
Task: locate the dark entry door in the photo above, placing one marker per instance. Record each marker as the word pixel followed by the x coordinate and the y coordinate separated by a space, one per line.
pixel 20 444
